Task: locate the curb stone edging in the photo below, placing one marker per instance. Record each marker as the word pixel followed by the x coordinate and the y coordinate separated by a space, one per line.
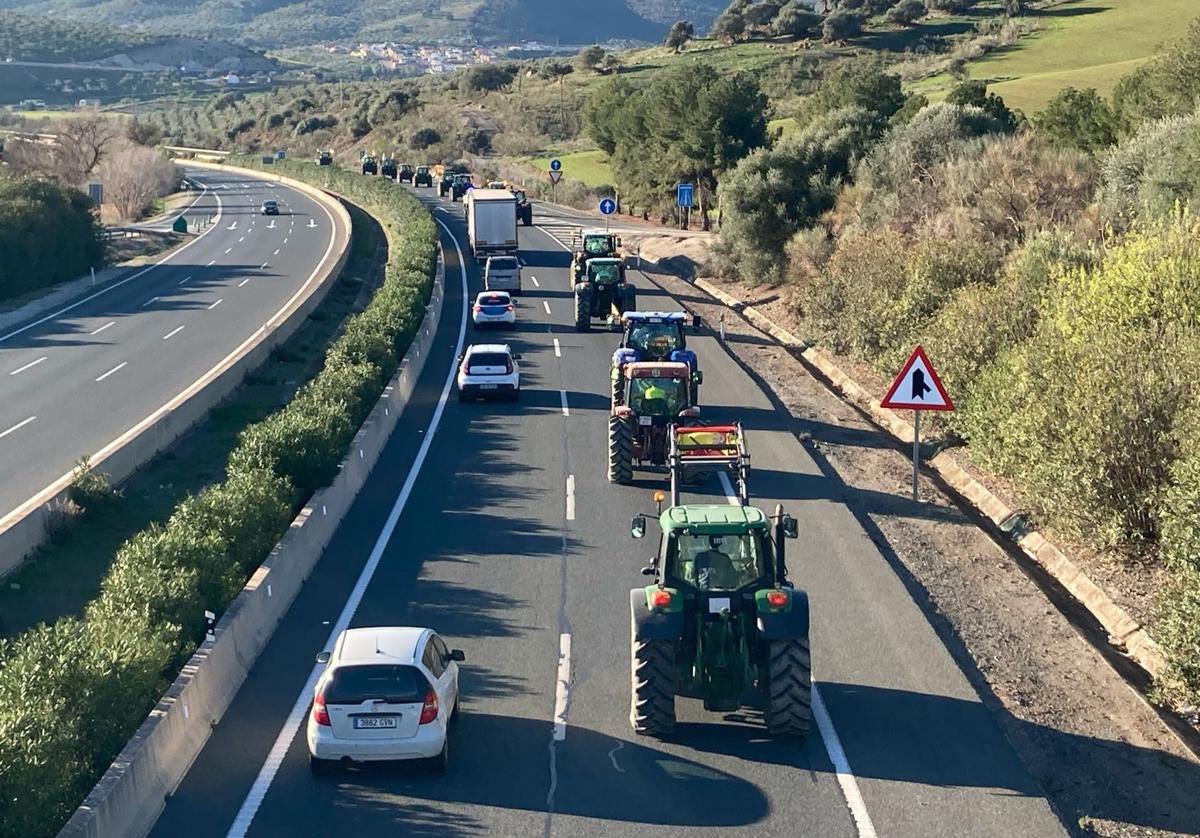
pixel 27 526
pixel 1123 630
pixel 128 799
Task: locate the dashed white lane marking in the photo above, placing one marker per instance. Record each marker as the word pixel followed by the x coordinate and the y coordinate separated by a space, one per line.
pixel 270 766
pixel 242 239
pixel 173 333
pixel 114 369
pixel 211 263
pixel 546 306
pixel 16 427
pixel 276 253
pixel 184 281
pixel 150 301
pixel 557 349
pixel 562 395
pixel 102 328
pixel 243 282
pixel 833 745
pixel 228 249
pixel 285 239
pixel 533 279
pixel 263 266
pixel 214 305
pixel 30 365
pixel 562 687
pixel 570 497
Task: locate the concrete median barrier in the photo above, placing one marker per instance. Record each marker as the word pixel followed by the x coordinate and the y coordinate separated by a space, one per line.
pixel 130 796
pixel 28 526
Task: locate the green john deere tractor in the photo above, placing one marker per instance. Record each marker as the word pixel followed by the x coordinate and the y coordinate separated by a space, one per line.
pixel 603 291
pixel 325 157
pixel 369 166
pixel 592 244
pixel 721 622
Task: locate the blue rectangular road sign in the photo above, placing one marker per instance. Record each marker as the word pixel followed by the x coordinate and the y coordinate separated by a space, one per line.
pixel 684 195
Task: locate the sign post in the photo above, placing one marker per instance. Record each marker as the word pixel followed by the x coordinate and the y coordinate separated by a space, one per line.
pixel 684 197
pixel 607 207
pixel 555 177
pixel 917 388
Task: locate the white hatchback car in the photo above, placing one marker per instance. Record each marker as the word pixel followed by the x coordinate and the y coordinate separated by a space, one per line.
pixel 489 370
pixel 493 308
pixel 385 694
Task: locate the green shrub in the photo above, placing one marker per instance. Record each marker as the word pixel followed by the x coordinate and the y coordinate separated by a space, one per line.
pixel 1178 633
pixel 1155 170
pixel 90 489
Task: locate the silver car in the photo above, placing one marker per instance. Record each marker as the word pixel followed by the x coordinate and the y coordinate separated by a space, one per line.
pixel 503 273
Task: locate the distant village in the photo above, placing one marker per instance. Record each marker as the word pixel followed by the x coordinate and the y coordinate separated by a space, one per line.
pixel 430 60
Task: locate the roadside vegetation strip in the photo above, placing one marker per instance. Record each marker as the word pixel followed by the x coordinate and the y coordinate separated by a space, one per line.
pixel 75 690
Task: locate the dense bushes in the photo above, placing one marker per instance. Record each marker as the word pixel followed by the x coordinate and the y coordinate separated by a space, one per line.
pixel 1154 170
pixel 72 693
pixel 37 211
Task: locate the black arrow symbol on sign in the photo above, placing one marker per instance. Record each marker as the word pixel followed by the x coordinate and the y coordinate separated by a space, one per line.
pixel 919 387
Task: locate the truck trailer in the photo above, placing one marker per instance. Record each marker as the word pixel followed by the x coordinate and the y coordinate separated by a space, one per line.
pixel 491 222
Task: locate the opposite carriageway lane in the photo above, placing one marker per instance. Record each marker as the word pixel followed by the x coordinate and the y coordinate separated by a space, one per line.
pixel 77 379
pixel 512 543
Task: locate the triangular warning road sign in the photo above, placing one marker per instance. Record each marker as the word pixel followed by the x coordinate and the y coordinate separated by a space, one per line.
pixel 917 387
pixel 555 176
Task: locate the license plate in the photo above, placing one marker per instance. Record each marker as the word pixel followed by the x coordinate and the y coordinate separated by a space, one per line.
pixel 488 386
pixel 645 420
pixel 718 604
pixel 375 722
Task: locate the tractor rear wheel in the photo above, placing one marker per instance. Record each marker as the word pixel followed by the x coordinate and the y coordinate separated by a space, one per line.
pixel 583 307
pixel 788 699
pixel 620 450
pixel 652 704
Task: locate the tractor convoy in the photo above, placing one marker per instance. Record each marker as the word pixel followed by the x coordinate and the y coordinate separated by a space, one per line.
pixel 721 621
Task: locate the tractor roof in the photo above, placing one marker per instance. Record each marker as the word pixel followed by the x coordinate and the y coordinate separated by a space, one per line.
pixel 596 232
pixel 654 316
pixel 600 261
pixel 713 520
pixel 658 369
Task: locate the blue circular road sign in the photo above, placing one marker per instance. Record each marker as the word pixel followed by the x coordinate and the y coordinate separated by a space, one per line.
pixel 555 165
pixel 608 206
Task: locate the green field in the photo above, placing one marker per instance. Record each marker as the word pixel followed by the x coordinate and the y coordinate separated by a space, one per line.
pixel 587 167
pixel 1082 43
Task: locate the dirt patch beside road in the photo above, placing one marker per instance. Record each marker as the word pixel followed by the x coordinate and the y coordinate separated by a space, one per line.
pixel 1108 763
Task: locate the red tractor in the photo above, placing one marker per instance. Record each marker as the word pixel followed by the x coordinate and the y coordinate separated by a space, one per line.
pixel 656 396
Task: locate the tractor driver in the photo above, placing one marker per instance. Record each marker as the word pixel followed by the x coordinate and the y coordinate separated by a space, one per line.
pixel 714 568
pixel 658 397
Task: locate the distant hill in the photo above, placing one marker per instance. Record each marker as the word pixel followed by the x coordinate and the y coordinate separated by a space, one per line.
pixel 280 23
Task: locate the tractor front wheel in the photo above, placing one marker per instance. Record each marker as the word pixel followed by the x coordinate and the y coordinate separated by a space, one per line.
pixel 583 307
pixel 652 705
pixel 618 388
pixel 620 450
pixel 788 696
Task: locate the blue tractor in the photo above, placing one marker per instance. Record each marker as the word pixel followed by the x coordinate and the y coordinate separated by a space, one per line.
pixel 655 336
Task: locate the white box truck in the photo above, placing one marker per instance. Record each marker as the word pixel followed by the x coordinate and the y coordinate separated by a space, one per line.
pixel 491 222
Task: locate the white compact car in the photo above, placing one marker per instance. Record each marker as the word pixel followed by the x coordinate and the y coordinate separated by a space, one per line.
pixel 385 694
pixel 489 370
pixel 493 308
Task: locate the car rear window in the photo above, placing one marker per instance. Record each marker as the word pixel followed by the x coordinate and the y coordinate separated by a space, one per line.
pixel 488 359
pixel 396 684
pixel 494 300
pixel 505 263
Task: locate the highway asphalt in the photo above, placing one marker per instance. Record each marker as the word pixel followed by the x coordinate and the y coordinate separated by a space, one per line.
pixel 511 543
pixel 74 380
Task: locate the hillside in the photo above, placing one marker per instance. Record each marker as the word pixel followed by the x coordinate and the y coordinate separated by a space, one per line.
pixel 278 23
pixel 1080 43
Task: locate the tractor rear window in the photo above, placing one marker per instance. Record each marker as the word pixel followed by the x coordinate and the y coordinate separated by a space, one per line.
pixel 658 396
pixel 395 684
pixel 717 562
pixel 596 245
pixel 657 339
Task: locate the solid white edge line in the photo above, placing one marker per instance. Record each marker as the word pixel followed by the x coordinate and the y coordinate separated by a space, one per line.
pixel 117 368
pixel 570 497
pixel 31 364
pixel 562 395
pixel 108 288
pixel 270 767
pixel 16 427
pixel 562 687
pixel 833 745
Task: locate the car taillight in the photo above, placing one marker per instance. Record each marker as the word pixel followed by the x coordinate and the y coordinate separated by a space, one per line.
pixel 660 599
pixel 509 307
pixel 320 711
pixel 429 710
pixel 777 599
pixel 478 309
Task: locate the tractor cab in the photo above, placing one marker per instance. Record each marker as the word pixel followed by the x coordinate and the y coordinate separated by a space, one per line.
pixel 655 396
pixel 324 157
pixel 715 548
pixel 598 243
pixel 369 166
pixel 655 336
